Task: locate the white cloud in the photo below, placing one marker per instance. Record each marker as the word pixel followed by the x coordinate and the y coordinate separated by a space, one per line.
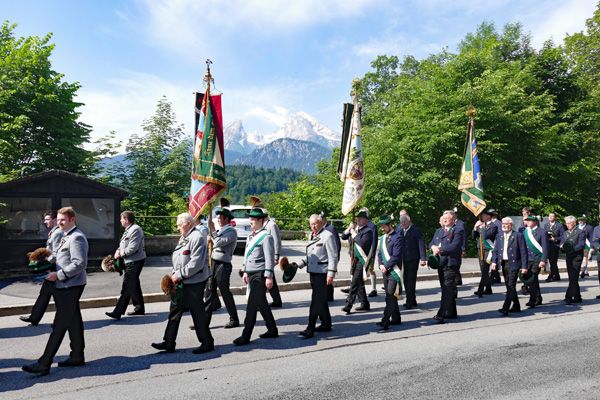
pixel 559 19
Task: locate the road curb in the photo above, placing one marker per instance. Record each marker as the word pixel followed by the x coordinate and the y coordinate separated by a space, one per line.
pixel 237 290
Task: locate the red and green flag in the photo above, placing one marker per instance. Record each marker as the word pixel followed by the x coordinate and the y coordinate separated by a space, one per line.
pixel 208 166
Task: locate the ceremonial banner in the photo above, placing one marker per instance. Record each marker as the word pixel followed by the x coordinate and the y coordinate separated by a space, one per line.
pixel 470 176
pixel 351 166
pixel 208 166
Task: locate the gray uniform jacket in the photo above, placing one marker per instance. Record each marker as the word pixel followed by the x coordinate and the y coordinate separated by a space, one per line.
pixel 204 231
pixel 190 258
pixel 53 242
pixel 71 260
pixel 224 243
pixel 260 257
pixel 132 244
pixel 273 230
pixel 321 254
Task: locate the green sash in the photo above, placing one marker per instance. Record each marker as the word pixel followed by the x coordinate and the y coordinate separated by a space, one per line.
pixel 396 274
pixel 533 243
pixel 363 258
pixel 257 239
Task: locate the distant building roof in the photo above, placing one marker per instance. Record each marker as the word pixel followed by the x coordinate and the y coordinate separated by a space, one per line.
pixel 13 184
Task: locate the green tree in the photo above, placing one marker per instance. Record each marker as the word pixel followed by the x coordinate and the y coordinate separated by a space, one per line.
pixel 38 122
pixel 156 170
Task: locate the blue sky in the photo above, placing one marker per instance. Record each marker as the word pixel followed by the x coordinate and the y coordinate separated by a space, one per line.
pixel 270 58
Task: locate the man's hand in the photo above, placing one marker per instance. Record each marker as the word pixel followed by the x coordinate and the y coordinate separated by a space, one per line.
pixel 245 278
pixel 51 277
pixel 269 283
pixel 211 226
pixel 493 267
pixel 174 279
pixel 524 270
pixel 330 280
pixel 423 263
pixel 435 249
pixel 477 225
pixel 117 254
pixel 382 269
pixel 542 264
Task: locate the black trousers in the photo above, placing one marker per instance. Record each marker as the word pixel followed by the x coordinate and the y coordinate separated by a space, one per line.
pixel 67 319
pixel 485 283
pixel 274 292
pixel 220 279
pixel 41 303
pixel 318 301
pixel 391 310
pixel 510 279
pixel 357 286
pixel 257 301
pixel 553 252
pixel 131 288
pixel 573 270
pixel 192 300
pixel 447 277
pixel 410 270
pixel 534 287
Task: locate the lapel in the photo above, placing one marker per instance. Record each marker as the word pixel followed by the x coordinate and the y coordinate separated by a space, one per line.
pixel 511 238
pixel 450 231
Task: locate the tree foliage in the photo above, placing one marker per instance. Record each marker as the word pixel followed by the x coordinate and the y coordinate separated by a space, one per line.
pixel 38 122
pixel 156 170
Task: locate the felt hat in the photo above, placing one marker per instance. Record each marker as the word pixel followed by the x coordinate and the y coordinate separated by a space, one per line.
pixel 433 261
pixel 531 217
pixel 384 219
pixel 224 212
pixel 289 269
pixel 527 279
pixel 258 212
pixel 567 247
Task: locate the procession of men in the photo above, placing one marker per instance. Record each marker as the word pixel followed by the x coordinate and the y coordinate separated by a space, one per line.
pixel 200 275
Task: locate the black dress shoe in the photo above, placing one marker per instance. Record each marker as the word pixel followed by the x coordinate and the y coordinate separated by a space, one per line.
pixel 488 292
pixel 568 302
pixel 407 306
pixel 28 319
pixel 579 300
pixel 524 290
pixel 598 297
pixel 192 327
pixel 363 308
pixel 163 346
pixel 232 324
pixel 549 279
pixel 383 326
pixel 241 341
pixel 503 312
pixel 373 293
pixel 440 320
pixel 113 315
pixel 478 294
pixel 136 312
pixel 204 349
pixel 538 303
pixel 399 322
pixel 346 309
pixel 307 333
pixel 268 335
pixel 513 309
pixel 557 279
pixel 582 276
pixel 36 368
pixel 275 305
pixel 72 362
pixel 530 304
pixel 345 290
pixel 323 328
pixel 454 316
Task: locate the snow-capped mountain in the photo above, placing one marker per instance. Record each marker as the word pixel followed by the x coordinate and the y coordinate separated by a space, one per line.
pixel 301 126
pixel 236 139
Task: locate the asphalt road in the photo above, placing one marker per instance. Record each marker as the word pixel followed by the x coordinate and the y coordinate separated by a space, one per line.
pixel 550 352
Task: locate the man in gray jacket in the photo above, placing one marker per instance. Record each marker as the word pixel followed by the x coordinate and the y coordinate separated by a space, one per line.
pixel 190 269
pixel 132 254
pixel 41 304
pixel 321 262
pixel 273 229
pixel 69 281
pixel 259 262
pixel 224 242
